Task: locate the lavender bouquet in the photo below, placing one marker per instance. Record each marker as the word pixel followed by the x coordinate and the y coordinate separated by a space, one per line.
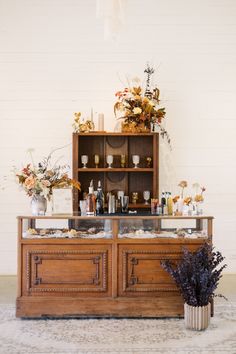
pixel 197 275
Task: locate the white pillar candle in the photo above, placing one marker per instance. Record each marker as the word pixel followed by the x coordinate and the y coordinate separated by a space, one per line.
pixel 101 122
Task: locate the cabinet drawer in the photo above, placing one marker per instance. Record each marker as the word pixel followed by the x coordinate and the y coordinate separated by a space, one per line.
pixel 140 270
pixel 50 270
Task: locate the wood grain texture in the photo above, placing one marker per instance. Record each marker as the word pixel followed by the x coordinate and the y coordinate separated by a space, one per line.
pixel 166 305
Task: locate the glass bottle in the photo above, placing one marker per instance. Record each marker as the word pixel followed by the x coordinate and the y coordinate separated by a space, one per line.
pixel 91 201
pixel 163 203
pixel 100 200
pixel 170 204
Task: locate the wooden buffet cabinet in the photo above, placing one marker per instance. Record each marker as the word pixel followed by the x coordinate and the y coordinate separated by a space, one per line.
pixel 102 266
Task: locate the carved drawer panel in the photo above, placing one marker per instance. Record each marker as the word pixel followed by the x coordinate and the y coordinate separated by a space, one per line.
pixel 63 270
pixel 140 270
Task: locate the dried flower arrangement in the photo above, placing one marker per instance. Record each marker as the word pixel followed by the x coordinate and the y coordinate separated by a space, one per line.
pixel 182 185
pixel 198 198
pixel 139 108
pixel 188 200
pixel 82 126
pixel 42 178
pixel 176 198
pixel 197 275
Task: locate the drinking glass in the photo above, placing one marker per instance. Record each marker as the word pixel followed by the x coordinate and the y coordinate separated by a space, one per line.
pixel 84 160
pixel 120 194
pixel 146 196
pixel 135 159
pixel 124 201
pixel 83 207
pixel 109 160
pixel 96 160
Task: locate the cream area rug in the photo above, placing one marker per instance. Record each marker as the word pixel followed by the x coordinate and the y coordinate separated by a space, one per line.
pixel 137 336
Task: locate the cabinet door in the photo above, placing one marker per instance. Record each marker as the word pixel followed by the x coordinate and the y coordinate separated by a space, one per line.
pixel 140 270
pixel 66 270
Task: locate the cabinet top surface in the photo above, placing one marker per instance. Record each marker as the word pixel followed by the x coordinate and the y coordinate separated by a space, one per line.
pixel 97 133
pixel 115 217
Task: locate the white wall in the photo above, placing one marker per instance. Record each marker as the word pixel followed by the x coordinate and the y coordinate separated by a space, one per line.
pixel 54 62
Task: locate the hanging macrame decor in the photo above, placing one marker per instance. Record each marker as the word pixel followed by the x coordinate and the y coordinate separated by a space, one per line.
pixel 113 14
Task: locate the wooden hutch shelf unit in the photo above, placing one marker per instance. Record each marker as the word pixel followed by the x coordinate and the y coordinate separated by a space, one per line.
pixel 102 266
pixel 128 179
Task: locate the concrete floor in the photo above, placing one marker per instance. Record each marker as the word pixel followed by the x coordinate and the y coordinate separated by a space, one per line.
pixel 8 285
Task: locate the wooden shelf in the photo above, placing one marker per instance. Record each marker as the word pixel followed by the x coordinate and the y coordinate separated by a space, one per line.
pixel 128 179
pixel 106 169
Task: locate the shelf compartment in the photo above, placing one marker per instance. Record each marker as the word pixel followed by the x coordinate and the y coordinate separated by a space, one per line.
pixel 85 179
pixel 116 146
pixel 91 145
pixel 142 146
pixel 143 183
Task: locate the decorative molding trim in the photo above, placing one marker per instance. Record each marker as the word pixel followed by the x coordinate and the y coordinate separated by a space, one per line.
pixel 129 251
pixel 139 290
pixel 128 283
pixel 36 257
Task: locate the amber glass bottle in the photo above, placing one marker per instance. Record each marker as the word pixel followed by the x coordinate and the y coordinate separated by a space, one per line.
pixel 91 201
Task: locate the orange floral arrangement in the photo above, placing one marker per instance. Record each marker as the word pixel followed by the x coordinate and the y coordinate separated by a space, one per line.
pixel 137 108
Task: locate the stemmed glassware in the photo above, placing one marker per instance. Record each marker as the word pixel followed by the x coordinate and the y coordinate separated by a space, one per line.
pixel 148 161
pixel 122 160
pixel 134 197
pixel 146 196
pixel 109 160
pixel 96 160
pixel 84 160
pixel 135 159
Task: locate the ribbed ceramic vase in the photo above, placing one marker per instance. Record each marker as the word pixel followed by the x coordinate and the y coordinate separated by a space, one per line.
pixel 38 205
pixel 197 317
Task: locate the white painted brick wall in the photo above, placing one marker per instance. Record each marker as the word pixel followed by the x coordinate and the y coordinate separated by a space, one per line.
pixel 54 61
